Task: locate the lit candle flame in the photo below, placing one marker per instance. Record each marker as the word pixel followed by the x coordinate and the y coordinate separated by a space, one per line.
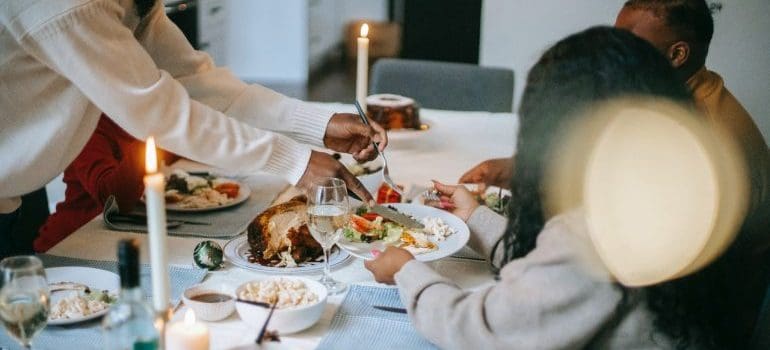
pixel 364 30
pixel 189 317
pixel 150 156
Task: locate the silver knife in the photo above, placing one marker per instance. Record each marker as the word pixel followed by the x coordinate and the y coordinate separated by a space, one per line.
pixel 399 218
pixel 390 309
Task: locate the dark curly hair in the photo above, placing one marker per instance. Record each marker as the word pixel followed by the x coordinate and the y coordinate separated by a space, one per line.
pixel 692 20
pixel 588 67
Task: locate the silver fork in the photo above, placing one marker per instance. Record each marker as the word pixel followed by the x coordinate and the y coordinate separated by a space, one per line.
pixel 385 171
pixel 431 195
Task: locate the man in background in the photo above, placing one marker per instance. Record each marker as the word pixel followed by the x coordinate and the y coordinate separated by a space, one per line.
pixel 682 31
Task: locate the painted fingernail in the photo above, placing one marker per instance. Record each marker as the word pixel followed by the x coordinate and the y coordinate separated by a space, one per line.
pixel 375 252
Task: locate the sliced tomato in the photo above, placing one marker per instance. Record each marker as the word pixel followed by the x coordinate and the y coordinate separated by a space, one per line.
pixel 385 194
pixel 360 224
pixel 370 216
pixel 229 189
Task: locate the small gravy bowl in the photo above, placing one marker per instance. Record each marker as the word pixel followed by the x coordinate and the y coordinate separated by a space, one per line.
pixel 209 303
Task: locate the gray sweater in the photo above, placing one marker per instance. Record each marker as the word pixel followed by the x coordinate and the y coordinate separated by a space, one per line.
pixel 557 297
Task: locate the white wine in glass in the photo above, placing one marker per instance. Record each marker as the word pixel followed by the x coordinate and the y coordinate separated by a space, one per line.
pixel 24 297
pixel 328 213
pixel 326 223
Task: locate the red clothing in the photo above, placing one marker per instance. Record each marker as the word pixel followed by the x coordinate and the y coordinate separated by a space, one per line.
pixel 111 163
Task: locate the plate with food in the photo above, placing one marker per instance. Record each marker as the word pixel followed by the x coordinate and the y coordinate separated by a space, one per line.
pixel 442 234
pixel 187 192
pixel 80 293
pixel 278 241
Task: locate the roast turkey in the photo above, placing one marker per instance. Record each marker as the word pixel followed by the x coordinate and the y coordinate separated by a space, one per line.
pixel 279 236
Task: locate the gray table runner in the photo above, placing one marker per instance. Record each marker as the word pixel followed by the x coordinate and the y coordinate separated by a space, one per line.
pixel 87 335
pixel 357 325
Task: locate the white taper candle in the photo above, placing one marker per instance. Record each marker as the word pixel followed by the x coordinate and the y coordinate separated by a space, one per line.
pixel 154 190
pixel 362 67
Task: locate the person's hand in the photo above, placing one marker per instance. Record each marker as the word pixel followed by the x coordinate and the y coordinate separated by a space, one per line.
pixel 348 134
pixel 457 199
pixel 386 264
pixel 324 165
pixel 493 172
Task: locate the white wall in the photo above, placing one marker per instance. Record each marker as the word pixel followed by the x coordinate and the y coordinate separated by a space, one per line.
pixel 268 40
pixel 514 33
pixel 740 52
pixel 376 10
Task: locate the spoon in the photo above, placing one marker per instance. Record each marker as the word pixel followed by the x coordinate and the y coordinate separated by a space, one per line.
pixel 255 303
pixel 264 326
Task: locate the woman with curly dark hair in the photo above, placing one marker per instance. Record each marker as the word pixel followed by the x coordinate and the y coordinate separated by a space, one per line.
pixel 549 294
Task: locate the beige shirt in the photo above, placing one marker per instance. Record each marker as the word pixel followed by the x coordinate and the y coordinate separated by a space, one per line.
pixel 559 296
pixel 64 62
pixel 724 111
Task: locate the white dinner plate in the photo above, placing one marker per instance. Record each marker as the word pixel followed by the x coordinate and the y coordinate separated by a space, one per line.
pixel 95 279
pixel 447 247
pixel 237 252
pixel 243 195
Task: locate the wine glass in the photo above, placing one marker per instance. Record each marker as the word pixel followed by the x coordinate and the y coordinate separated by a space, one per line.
pixel 24 297
pixel 328 213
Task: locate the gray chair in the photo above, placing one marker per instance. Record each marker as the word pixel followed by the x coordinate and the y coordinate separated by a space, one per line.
pixel 443 85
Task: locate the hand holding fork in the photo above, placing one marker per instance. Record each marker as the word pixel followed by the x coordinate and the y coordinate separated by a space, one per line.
pixel 385 170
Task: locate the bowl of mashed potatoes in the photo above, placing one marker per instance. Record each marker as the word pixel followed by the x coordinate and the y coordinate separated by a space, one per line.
pixel 299 303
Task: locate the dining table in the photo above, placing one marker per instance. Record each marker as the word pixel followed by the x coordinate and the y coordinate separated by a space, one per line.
pixel 451 143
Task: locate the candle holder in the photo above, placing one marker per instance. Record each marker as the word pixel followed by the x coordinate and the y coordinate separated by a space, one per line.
pixel 187 335
pixel 162 319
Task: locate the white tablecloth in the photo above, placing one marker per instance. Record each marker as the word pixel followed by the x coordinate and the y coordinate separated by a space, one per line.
pixel 455 142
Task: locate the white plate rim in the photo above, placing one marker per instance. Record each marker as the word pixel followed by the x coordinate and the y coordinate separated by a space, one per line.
pixel 84 271
pixel 338 258
pixel 462 234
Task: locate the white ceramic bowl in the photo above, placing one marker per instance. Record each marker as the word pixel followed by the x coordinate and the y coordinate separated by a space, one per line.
pixel 287 320
pixel 209 311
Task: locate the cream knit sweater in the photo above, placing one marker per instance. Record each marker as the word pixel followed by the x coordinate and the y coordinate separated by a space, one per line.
pixel 64 62
pixel 559 296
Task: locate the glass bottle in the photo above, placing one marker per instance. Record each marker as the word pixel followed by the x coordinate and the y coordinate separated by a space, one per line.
pixel 130 323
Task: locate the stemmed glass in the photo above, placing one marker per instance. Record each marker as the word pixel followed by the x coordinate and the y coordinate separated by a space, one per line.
pixel 328 213
pixel 24 297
